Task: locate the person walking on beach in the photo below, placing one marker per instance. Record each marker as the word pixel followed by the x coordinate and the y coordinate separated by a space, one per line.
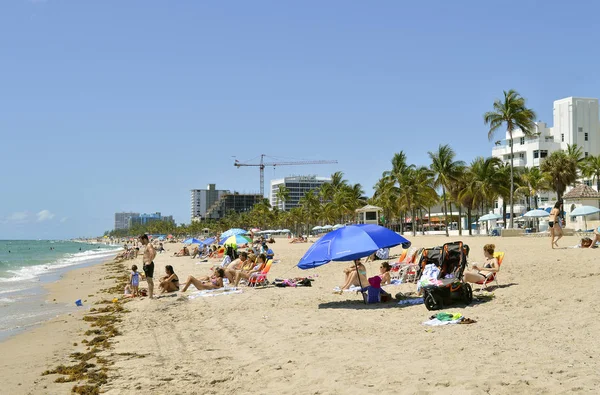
pixel 149 255
pixel 554 223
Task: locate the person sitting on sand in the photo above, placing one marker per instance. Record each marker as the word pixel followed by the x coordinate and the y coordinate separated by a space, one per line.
pixel 160 248
pixel 354 277
pixel 183 252
pixel 482 271
pixel 213 282
pixel 195 252
pixel 385 276
pixel 236 265
pixel 170 282
pixel 248 271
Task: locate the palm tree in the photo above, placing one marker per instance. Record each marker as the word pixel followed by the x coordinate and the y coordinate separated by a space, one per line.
pixel 513 113
pixel 575 152
pixel 483 183
pixel 282 195
pixel 385 195
pixel 561 171
pixel 533 182
pixel 310 205
pixel 446 170
pixel 591 169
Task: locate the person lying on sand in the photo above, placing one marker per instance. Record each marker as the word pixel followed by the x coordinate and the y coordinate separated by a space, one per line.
pixel 213 282
pixel 183 252
pixel 483 270
pixel 170 282
pixel 299 239
pixel 354 277
pixel 249 270
pixel 595 239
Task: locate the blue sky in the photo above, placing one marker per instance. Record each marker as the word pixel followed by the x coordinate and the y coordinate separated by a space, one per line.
pixel 127 105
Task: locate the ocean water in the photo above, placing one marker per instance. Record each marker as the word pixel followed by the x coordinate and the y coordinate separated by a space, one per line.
pixel 25 265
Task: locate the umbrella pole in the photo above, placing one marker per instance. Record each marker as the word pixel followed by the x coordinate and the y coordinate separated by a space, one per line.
pixel 359 283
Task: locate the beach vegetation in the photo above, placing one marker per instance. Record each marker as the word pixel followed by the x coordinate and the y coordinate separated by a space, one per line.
pixel 512 113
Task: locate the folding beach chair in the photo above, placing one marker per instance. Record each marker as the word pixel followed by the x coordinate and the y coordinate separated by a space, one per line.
pixel 406 258
pixel 257 279
pixel 492 276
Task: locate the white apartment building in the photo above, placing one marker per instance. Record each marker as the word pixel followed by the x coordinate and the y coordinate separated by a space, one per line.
pixel 297 187
pixel 576 121
pixel 203 199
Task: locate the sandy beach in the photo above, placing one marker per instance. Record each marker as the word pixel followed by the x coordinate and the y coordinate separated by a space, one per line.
pixel 535 335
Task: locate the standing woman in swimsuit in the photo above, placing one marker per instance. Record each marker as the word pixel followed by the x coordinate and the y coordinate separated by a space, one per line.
pixel 482 271
pixel 170 282
pixel 554 224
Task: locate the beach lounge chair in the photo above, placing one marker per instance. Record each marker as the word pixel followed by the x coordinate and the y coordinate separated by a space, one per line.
pixel 257 279
pixel 406 258
pixel 492 276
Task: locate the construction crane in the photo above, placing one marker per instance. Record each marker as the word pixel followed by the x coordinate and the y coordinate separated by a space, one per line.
pixel 264 164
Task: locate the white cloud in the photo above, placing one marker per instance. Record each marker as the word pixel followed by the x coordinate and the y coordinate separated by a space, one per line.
pixel 63 220
pixel 44 215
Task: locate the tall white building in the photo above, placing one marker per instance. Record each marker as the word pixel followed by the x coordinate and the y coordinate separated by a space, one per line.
pixel 576 121
pixel 297 187
pixel 202 200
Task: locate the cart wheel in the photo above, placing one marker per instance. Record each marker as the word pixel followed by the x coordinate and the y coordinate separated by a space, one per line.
pixel 429 302
pixel 467 293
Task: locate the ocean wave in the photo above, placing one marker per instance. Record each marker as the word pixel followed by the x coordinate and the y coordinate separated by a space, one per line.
pixel 33 272
pixel 6 300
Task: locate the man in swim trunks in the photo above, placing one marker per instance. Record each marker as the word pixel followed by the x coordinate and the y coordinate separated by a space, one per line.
pixel 149 255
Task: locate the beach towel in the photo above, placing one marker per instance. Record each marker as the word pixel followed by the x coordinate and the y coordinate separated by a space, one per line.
pixel 410 302
pixel 214 292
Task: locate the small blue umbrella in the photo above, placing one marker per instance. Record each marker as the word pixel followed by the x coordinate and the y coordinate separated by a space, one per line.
pixel 585 211
pixel 232 232
pixel 349 243
pixel 192 241
pixel 536 213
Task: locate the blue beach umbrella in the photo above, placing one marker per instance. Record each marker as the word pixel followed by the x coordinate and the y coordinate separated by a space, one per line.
pixel 349 243
pixel 232 232
pixel 192 241
pixel 536 213
pixel 208 241
pixel 585 211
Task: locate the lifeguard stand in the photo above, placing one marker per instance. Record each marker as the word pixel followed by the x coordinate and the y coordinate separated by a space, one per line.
pixel 368 214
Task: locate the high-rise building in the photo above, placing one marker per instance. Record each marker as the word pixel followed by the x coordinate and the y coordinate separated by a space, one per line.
pixel 122 220
pixel 127 220
pixel 202 201
pixel 237 202
pixel 297 187
pixel 576 121
pixel 144 219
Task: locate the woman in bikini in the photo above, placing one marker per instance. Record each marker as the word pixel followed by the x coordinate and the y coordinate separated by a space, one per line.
pixel 248 271
pixel 482 271
pixel 354 276
pixel 213 282
pixel 554 223
pixel 170 282
pixel 384 274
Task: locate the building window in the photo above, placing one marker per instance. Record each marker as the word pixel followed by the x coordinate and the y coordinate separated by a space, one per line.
pixel 522 155
pixel 580 129
pixel 543 153
pixel 586 137
pixel 562 137
pixel 586 154
pixel 522 140
pixel 536 154
pixel 588 182
pixel 510 143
